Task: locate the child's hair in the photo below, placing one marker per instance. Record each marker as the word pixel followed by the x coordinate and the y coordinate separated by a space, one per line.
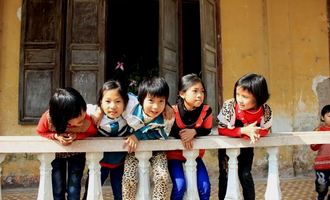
pixel 64 105
pixel 256 85
pixel 112 85
pixel 155 86
pixel 189 80
pixel 325 110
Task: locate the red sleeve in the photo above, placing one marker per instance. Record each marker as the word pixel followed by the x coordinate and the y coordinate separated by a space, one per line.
pixel 263 132
pixel 208 122
pixel 91 131
pixel 235 132
pixel 43 127
pixel 315 147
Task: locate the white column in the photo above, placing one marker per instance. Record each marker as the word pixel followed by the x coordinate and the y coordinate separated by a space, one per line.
pixel 2 158
pixel 45 191
pixel 233 184
pixel 191 174
pixel 143 192
pixel 94 183
pixel 273 190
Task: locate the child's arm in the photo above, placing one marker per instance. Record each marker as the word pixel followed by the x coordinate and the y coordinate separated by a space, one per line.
pixel 43 127
pixel 95 113
pixel 132 141
pixel 91 131
pixel 315 147
pixel 206 127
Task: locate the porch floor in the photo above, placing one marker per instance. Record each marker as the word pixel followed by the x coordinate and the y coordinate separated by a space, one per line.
pixel 292 189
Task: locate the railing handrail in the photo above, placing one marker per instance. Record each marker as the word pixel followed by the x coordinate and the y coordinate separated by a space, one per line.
pixel 38 144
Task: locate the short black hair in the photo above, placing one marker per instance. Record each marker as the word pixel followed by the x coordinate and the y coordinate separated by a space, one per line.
pixel 154 86
pixel 256 85
pixel 112 85
pixel 325 110
pixel 64 105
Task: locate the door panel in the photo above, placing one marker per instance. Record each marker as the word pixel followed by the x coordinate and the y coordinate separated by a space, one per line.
pixel 168 45
pixel 40 56
pixel 85 47
pixel 209 51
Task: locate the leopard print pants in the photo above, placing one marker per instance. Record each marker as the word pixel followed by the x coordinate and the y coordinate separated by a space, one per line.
pixel 159 168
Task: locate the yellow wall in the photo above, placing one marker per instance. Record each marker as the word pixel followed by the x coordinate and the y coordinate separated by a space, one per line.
pixel 287 42
pixel 9 70
pixel 14 168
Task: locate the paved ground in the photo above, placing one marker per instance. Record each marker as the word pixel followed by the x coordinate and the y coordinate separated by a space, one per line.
pixel 292 189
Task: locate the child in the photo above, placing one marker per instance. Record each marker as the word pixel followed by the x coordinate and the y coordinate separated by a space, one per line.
pixel 322 160
pixel 113 100
pixel 66 121
pixel 247 116
pixel 148 124
pixel 192 118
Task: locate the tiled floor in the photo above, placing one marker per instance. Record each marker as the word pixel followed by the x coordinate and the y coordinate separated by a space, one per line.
pixel 292 189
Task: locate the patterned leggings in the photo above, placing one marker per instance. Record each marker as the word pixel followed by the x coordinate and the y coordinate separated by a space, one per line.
pixel 160 176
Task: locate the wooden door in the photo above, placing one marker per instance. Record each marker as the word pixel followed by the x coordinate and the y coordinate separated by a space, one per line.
pixel 62 44
pixel 209 51
pixel 168 45
pixel 85 47
pixel 40 56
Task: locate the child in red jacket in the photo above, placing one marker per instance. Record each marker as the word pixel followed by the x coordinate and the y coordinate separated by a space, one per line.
pixel 245 116
pixel 67 121
pixel 322 160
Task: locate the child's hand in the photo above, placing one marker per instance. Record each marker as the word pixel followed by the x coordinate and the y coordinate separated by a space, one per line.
pixel 131 142
pixel 252 131
pixel 97 116
pixel 188 145
pixel 187 135
pixel 168 113
pixel 64 139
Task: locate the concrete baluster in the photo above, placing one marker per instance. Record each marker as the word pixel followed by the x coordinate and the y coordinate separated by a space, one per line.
pixel 2 158
pixel 233 184
pixel 143 192
pixel 45 191
pixel 191 174
pixel 94 183
pixel 273 190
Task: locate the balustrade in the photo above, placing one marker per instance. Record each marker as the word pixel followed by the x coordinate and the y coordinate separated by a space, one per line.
pixel 94 147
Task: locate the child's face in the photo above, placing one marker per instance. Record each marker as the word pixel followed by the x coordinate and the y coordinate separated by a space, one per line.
pixel 78 121
pixel 245 99
pixel 326 119
pixel 194 96
pixel 112 103
pixel 153 106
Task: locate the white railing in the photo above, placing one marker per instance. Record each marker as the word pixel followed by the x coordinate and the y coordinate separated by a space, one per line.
pixel 94 147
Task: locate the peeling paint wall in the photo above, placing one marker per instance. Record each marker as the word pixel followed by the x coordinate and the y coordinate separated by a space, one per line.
pixel 285 40
pixel 14 170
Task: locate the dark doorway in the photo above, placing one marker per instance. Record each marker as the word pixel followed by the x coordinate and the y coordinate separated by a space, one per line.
pixel 132 40
pixel 191 37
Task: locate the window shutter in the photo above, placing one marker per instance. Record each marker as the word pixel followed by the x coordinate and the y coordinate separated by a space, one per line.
pixel 169 50
pixel 85 47
pixel 40 57
pixel 208 11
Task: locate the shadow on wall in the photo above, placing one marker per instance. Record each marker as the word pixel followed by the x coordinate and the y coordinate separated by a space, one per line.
pixel 323 92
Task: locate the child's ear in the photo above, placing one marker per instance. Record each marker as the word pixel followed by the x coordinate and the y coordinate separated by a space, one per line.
pixel 181 94
pixel 322 119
